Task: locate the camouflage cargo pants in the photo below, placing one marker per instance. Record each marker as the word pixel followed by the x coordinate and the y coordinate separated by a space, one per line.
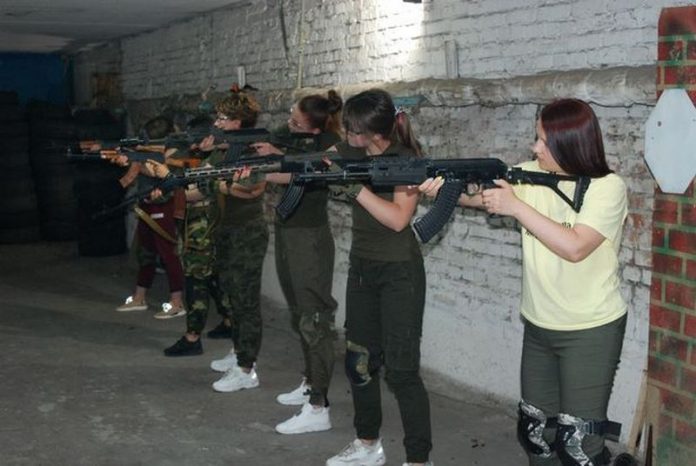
pixel 201 281
pixel 239 264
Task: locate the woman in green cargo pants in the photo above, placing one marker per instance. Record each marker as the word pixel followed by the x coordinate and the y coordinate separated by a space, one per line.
pixel 573 312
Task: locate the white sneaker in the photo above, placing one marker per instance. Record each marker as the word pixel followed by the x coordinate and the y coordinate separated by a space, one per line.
pixel 226 363
pixel 309 419
pixel 359 454
pixel 131 305
pixel 236 379
pixel 168 311
pixel 297 397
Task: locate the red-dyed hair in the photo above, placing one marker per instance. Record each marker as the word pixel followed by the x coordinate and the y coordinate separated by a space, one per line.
pixel 574 138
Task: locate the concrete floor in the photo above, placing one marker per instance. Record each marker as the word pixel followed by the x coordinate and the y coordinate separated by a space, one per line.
pixel 84 385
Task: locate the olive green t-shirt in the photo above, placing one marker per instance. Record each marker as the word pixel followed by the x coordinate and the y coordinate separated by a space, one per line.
pixel 235 211
pixel 311 211
pixel 371 239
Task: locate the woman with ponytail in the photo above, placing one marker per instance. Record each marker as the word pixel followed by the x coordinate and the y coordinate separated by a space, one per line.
pixel 385 293
pixel 304 249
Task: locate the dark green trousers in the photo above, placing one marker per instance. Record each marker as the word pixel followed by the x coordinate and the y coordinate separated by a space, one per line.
pixel 384 313
pixel 571 372
pixel 305 260
pixel 239 266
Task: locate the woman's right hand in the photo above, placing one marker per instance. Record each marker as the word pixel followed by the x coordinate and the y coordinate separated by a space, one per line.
pixel 431 186
pixel 207 144
pixel 156 169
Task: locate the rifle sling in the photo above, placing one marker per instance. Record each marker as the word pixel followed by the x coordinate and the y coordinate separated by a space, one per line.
pixel 145 217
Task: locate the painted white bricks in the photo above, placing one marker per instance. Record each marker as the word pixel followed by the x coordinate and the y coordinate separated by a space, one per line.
pixel 348 42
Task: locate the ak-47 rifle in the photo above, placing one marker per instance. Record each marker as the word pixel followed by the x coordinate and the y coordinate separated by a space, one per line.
pixel 460 175
pixel 187 139
pixel 313 162
pixel 109 154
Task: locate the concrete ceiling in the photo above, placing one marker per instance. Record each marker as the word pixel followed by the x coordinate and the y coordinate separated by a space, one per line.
pixel 44 26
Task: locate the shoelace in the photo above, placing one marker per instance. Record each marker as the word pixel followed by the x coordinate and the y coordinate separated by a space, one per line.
pixel 348 450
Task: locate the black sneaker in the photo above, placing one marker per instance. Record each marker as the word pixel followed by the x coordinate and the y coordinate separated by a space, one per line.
pixel 220 332
pixel 183 347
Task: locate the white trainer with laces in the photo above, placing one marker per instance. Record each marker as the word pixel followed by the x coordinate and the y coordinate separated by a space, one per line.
pixel 358 453
pixel 131 305
pixel 236 379
pixel 226 363
pixel 309 419
pixel 297 397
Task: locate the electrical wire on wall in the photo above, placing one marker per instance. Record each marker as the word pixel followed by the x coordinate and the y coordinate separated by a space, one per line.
pixel 301 45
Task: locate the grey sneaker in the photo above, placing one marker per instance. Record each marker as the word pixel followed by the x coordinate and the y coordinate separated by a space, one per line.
pixel 358 453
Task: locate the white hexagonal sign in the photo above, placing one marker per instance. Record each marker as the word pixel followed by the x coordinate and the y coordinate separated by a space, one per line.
pixel 670 141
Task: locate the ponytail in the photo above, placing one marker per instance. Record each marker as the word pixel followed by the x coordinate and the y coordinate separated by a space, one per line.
pixel 404 132
pixel 373 112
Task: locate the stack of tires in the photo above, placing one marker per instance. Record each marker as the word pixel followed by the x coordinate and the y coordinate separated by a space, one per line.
pixel 52 129
pixel 97 188
pixel 19 215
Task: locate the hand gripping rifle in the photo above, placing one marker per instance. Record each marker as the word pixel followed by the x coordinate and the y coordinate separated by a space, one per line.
pixel 460 175
pixel 298 164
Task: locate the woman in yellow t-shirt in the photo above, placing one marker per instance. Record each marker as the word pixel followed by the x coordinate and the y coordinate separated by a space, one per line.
pixel 574 315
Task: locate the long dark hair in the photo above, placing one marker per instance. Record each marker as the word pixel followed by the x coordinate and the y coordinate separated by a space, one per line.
pixel 574 138
pixel 322 112
pixel 373 112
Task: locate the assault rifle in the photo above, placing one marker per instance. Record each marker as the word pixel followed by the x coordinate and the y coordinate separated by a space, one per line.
pixel 460 175
pixel 108 154
pixel 313 162
pixel 187 139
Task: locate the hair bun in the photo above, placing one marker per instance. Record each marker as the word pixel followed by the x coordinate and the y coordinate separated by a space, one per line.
pixel 335 102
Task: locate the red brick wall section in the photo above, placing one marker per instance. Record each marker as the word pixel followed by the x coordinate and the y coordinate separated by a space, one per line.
pixel 672 348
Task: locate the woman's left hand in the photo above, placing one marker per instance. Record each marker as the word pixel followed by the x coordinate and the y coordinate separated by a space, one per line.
pixel 266 148
pixel 156 169
pixel 501 200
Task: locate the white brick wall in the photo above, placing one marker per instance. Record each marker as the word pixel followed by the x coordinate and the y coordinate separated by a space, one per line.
pixel 350 41
pixel 472 332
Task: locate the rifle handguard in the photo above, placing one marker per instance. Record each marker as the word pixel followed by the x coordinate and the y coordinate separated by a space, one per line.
pixel 435 219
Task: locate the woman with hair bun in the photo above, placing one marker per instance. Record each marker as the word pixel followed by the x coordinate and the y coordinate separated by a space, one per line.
pixel 304 250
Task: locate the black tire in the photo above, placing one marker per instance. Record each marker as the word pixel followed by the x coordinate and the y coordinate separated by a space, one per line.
pixel 59 230
pixel 17 204
pixel 9 98
pixel 12 113
pixel 19 235
pixel 42 130
pixel 25 219
pixel 14 130
pixel 38 109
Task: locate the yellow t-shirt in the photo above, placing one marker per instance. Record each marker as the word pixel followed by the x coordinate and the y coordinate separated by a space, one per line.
pixel 561 295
